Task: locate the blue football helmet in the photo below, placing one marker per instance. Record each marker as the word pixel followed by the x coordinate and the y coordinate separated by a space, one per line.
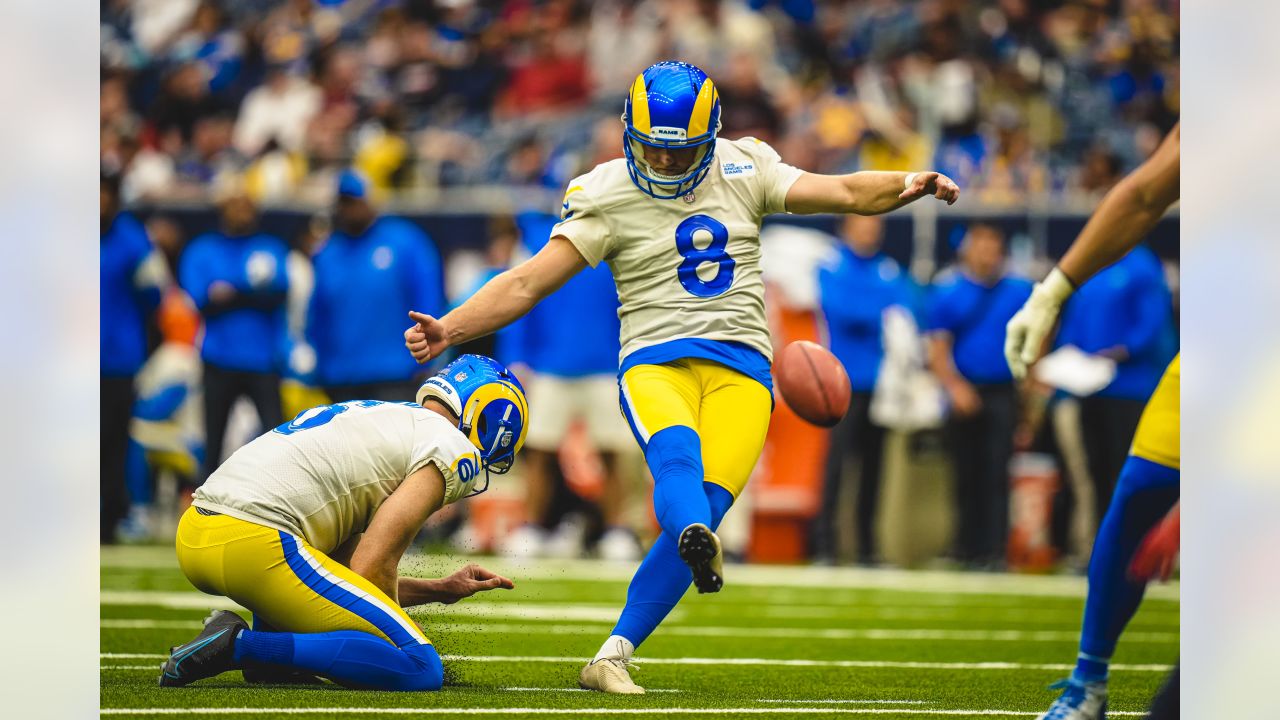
pixel 670 105
pixel 490 404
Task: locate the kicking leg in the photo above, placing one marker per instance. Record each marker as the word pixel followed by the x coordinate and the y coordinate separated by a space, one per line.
pixel 655 589
pixel 733 417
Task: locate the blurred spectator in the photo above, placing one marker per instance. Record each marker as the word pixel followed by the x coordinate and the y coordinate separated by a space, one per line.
pixel 236 277
pixel 623 38
pixel 548 71
pixel 211 42
pixel 209 154
pixel 746 109
pixel 1100 170
pixel 504 239
pixel 166 434
pixel 183 101
pixel 279 110
pixel 855 290
pixel 133 277
pixel 573 370
pixel 1125 313
pixel 968 308
pixel 368 275
pixel 708 33
pixel 298 391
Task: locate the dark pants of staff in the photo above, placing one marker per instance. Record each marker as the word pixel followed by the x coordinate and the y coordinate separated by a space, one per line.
pixel 854 441
pixel 1108 425
pixel 222 387
pixel 115 410
pixel 391 391
pixel 981 447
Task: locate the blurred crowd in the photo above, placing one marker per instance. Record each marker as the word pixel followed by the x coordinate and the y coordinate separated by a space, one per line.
pixel 1012 98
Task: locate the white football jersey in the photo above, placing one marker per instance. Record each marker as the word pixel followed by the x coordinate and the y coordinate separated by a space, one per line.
pixel 687 267
pixel 323 475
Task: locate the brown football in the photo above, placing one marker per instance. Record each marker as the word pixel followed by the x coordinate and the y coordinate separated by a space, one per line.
pixel 813 383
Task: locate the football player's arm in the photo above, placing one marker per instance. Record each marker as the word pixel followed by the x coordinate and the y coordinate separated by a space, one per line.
pixel 1127 213
pixel 394 525
pixel 866 193
pixel 498 303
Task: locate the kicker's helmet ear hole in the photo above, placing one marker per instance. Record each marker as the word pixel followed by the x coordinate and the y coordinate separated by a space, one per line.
pixel 482 425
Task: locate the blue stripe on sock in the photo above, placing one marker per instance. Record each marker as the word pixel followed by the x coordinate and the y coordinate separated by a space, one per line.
pixel 343 597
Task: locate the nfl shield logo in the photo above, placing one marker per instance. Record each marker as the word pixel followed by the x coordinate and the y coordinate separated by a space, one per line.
pixel 460 377
pixel 688 197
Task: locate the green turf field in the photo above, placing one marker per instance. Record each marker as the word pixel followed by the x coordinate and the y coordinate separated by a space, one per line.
pixel 777 642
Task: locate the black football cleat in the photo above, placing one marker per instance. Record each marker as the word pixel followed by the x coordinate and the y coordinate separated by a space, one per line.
pixel 212 651
pixel 699 548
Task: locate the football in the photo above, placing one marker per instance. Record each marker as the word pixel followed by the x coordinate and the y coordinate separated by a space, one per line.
pixel 813 383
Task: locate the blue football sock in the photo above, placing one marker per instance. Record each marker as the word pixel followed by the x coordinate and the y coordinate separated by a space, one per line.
pixel 674 456
pixel 663 577
pixel 1144 493
pixel 348 657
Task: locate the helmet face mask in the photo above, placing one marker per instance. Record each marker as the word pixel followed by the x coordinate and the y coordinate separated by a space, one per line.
pixel 490 405
pixel 671 105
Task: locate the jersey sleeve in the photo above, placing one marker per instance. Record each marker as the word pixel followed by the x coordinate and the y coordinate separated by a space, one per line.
pixel 583 224
pixel 776 177
pixel 452 454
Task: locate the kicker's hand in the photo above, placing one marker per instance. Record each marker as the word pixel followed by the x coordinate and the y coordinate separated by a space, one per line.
pixel 468 581
pixel 425 339
pixel 1027 330
pixel 1159 549
pixel 936 184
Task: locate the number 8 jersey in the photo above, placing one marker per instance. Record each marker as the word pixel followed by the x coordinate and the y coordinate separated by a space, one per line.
pixel 687 269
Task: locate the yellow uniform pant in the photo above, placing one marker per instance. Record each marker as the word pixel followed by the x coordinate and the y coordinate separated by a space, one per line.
pixel 1158 435
pixel 728 410
pixel 285 582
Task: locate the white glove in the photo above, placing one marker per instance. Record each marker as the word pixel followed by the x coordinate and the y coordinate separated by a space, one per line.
pixel 1026 332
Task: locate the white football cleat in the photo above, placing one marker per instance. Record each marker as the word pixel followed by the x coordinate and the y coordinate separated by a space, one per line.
pixel 1079 701
pixel 609 675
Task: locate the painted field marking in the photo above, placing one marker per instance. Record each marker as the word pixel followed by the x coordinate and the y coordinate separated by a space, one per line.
pixel 677 630
pixel 775 662
pixel 577 711
pixel 803 578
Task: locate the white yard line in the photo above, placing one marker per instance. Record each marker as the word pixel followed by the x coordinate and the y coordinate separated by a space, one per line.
pixel 847 702
pixel 678 630
pixel 774 662
pixel 802 577
pixel 576 690
pixel 577 711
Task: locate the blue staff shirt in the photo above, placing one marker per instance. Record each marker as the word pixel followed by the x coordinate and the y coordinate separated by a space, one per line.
pixel 364 288
pixel 975 316
pixel 126 297
pixel 1126 305
pixel 574 331
pixel 854 292
pixel 249 339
